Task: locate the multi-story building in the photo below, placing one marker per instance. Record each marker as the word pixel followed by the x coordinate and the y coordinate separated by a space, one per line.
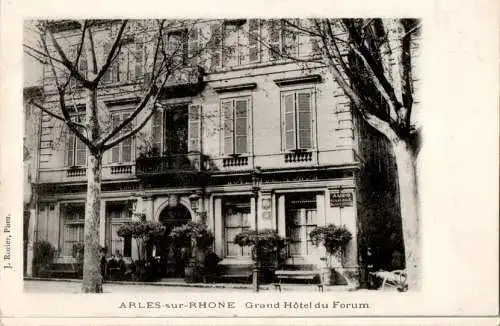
pixel 249 141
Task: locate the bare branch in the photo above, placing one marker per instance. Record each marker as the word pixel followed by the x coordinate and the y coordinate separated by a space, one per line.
pixel 66 62
pixel 131 132
pixel 336 49
pixel 406 72
pixel 111 54
pixel 93 57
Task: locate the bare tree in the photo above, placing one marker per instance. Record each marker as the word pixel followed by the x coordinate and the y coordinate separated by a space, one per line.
pixel 166 58
pixel 371 61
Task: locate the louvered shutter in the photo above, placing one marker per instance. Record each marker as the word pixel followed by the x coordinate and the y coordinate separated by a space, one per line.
pixel 81 153
pixel 241 126
pixel 289 119
pixel 216 35
pixel 304 120
pixel 107 77
pixel 253 40
pixel 315 49
pixel 194 127
pixel 274 31
pixel 70 149
pixel 157 124
pixel 115 151
pixel 193 46
pixel 139 59
pixel 127 143
pixel 227 111
pixel 290 39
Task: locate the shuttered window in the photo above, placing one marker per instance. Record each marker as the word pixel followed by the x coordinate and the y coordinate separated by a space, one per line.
pixel 216 49
pixel 194 126
pixel 121 153
pixel 253 40
pixel 157 129
pixel 138 59
pixel 274 35
pixel 178 46
pixel 76 151
pixel 235 114
pixel 194 45
pixel 297 110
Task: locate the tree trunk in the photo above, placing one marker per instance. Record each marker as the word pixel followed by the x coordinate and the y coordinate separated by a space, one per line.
pixel 408 195
pixel 92 278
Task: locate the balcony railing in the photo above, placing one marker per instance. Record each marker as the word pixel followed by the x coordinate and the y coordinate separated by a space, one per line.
pixel 169 164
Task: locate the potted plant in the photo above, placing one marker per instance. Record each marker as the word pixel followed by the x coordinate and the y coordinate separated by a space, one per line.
pixel 267 250
pixel 197 240
pixel 146 234
pixel 43 255
pixel 334 238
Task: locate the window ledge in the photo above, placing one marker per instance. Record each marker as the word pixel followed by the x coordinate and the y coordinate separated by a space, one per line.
pixel 298 80
pixel 234 87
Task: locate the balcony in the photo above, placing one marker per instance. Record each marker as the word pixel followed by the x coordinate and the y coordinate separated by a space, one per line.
pixel 169 164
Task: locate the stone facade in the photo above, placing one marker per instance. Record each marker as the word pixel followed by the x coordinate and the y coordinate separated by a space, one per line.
pixel 250 110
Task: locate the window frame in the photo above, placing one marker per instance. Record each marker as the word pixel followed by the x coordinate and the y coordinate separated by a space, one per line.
pixel 75 142
pixel 306 247
pixel 123 115
pixel 312 112
pixel 248 126
pixel 235 201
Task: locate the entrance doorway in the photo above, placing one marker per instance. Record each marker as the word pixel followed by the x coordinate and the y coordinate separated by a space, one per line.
pixel 173 258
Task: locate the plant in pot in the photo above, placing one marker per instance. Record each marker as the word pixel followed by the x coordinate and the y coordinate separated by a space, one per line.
pixel 43 255
pixel 267 248
pixel 146 233
pixel 335 239
pixel 78 251
pixel 196 239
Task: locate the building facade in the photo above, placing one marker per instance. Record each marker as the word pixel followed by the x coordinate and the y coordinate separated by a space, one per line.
pixel 235 114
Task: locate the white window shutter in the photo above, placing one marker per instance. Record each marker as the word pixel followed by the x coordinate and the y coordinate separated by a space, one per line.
pixel 193 46
pixel 274 34
pixel 227 111
pixel 304 120
pixel 70 149
pixel 115 151
pixel 81 153
pixel 194 135
pixel 253 40
pixel 139 59
pixel 241 126
pixel 127 143
pixel 157 129
pixel 289 121
pixel 216 48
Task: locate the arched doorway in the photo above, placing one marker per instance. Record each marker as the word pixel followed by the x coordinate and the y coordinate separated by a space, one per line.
pixel 173 258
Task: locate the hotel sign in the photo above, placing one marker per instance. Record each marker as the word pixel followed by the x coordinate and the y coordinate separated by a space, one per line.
pixel 341 198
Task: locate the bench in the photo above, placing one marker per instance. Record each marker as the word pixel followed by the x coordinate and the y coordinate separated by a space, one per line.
pixel 281 275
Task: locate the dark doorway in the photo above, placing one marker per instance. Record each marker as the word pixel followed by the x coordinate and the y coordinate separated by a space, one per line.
pixel 173 258
pixel 176 130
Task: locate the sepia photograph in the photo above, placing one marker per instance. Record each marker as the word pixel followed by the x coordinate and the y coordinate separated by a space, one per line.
pixel 255 154
pixel 260 163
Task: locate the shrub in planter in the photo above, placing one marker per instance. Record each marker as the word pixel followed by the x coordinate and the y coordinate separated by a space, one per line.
pixel 267 249
pixel 197 240
pixel 334 238
pixel 146 233
pixel 43 255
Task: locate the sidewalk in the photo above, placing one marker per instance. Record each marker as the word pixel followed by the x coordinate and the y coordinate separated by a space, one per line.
pixel 40 285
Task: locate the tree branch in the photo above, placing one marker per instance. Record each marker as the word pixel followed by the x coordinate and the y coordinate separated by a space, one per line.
pixel 406 72
pixel 111 54
pixel 54 115
pixel 131 132
pixel 336 49
pixel 67 63
pixel 93 57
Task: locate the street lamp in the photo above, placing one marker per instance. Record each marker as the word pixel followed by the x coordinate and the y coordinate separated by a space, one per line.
pixel 256 183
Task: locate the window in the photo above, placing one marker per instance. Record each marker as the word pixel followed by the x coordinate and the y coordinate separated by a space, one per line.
pixel 282 38
pixel 301 219
pixel 76 151
pixel 73 220
pixel 194 48
pixel 234 42
pixel 178 46
pixel 117 213
pixel 235 124
pixel 194 128
pixel 236 212
pixel 122 152
pixel 297 119
pixel 157 130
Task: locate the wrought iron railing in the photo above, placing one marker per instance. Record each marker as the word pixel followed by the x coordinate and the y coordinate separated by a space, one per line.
pixel 169 163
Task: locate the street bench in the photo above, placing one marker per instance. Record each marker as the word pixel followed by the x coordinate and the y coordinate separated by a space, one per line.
pixel 311 276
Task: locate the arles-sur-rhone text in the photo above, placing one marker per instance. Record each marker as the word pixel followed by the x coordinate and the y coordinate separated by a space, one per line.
pixel 288 304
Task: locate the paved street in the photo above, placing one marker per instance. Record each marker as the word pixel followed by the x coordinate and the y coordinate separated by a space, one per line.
pixel 38 286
